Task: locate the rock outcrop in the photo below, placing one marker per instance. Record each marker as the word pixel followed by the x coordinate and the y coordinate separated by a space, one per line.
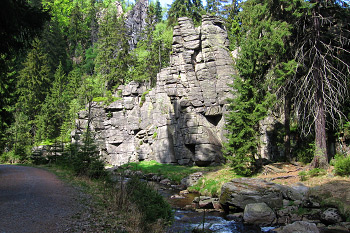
pixel 180 120
pixel 136 22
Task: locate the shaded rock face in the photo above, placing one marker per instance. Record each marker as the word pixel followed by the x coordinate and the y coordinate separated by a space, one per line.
pixel 180 120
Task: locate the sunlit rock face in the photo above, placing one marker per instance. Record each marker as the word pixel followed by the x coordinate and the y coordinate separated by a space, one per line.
pixel 180 120
pixel 136 22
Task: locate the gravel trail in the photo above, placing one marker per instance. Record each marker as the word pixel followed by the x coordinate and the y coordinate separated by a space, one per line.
pixel 35 200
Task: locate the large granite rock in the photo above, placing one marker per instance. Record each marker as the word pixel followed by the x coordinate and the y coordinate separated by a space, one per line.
pixel 243 191
pixel 180 120
pixel 259 214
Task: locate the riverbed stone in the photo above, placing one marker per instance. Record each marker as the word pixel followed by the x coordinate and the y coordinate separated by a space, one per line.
pixel 331 216
pixel 258 213
pixel 300 227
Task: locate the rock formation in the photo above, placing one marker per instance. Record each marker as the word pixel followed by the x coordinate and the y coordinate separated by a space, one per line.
pixel 136 22
pixel 180 120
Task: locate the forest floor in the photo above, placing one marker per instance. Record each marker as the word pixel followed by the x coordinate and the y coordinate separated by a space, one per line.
pixel 330 189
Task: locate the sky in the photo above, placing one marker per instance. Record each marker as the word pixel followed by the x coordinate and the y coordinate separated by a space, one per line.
pixel 165 2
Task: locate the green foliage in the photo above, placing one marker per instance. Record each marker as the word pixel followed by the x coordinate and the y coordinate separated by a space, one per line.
pixel 21 23
pixel 247 109
pixel 190 8
pixel 342 165
pixel 10 157
pixel 143 97
pixel 107 100
pixel 34 81
pixel 152 53
pixel 113 60
pixel 210 184
pixel 173 172
pixel 316 172
pixel 305 175
pixel 84 160
pixel 154 136
pixel 149 201
pixel 264 66
pixel 305 152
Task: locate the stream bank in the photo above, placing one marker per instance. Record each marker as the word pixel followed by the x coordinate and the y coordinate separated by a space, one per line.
pixel 299 206
pixel 188 219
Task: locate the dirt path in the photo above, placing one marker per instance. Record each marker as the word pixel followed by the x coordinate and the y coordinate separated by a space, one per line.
pixel 34 200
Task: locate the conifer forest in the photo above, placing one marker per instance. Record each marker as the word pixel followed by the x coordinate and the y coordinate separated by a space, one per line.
pixel 292 61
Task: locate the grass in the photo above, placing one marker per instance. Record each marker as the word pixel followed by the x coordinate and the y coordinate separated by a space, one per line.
pixel 173 172
pixel 315 172
pixel 211 183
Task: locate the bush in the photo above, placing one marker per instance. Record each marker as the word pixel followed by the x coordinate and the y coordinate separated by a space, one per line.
pixel 149 201
pixel 10 157
pixel 342 165
pixel 317 172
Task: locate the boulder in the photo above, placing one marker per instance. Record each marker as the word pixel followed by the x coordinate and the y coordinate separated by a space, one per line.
pixel 258 214
pixel 331 216
pixel 300 227
pixel 192 179
pixel 243 191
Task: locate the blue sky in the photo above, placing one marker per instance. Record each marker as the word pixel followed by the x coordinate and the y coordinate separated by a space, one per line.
pixel 165 2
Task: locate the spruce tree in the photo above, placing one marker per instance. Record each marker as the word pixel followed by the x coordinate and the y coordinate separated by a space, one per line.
pixel 261 48
pixel 185 8
pixel 34 82
pixel 54 109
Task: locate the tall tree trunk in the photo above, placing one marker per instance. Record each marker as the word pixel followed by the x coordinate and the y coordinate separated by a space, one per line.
pixel 320 158
pixel 287 106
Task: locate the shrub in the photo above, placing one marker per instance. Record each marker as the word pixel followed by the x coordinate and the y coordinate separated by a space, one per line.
pixel 143 97
pixel 342 165
pixel 317 172
pixel 303 175
pixel 10 157
pixel 312 173
pixel 149 201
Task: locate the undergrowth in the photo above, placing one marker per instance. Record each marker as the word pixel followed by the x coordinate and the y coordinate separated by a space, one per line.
pixel 341 165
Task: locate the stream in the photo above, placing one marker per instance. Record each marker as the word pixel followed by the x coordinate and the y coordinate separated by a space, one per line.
pixel 205 221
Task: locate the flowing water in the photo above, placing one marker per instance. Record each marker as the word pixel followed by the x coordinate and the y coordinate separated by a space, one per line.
pixel 206 221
